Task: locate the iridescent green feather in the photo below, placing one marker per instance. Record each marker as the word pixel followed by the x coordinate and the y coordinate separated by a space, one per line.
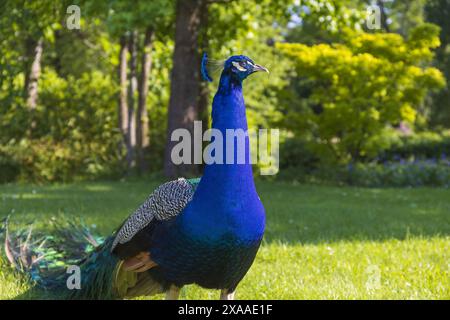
pixel 46 258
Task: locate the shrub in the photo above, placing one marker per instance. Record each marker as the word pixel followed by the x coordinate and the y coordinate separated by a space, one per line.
pixel 361 85
pixel 426 145
pixel 9 167
pixel 399 174
pixel 45 160
pixel 296 153
pixel 75 134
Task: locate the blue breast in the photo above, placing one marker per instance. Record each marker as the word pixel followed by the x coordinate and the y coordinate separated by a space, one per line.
pixel 214 241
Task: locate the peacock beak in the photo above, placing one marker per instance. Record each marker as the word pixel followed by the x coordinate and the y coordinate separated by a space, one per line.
pixel 257 68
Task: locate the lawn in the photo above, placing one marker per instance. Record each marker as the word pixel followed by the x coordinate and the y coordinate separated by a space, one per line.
pixel 321 242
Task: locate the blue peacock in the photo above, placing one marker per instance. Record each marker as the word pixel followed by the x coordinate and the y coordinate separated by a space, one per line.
pixel 189 231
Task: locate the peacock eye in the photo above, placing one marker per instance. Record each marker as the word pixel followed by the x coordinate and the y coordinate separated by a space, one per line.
pixel 242 63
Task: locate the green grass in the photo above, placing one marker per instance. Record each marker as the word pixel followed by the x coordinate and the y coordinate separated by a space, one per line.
pixel 321 242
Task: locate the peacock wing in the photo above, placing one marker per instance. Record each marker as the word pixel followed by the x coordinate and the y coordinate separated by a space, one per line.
pixel 132 238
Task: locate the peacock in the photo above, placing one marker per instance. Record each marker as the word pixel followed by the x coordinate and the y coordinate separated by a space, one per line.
pixel 203 231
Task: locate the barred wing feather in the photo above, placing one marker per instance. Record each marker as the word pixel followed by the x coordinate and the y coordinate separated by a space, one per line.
pixel 166 202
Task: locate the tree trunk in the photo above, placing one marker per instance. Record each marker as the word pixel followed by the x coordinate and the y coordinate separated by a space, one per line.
pixel 142 129
pixel 203 101
pixel 123 95
pixel 32 70
pixel 131 156
pixel 383 17
pixel 204 90
pixel 184 87
pixel 32 74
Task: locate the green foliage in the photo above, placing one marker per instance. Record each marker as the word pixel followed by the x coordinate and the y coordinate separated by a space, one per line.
pixel 396 160
pixel 297 153
pixel 9 167
pixel 424 145
pixel 324 20
pixel 341 96
pixel 252 34
pixel 405 15
pixel 411 174
pixel 358 88
pixel 437 12
pixel 158 100
pixel 77 108
pixel 122 16
pixel 398 174
pixel 45 160
pixel 74 134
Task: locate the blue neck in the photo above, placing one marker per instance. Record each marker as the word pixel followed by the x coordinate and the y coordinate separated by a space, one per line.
pixel 226 194
pixel 228 112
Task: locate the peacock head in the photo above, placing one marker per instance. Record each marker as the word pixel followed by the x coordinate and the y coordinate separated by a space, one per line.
pixel 237 67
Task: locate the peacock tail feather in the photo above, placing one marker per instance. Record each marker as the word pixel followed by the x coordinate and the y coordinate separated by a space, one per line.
pixel 45 258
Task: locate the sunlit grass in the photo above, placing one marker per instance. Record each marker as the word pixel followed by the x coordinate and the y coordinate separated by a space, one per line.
pixel 321 242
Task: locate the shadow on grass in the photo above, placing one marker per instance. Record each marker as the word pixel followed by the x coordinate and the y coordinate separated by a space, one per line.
pixel 295 213
pixel 316 214
pixel 36 293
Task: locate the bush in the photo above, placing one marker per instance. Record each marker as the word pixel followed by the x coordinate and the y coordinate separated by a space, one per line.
pixel 426 145
pixel 75 135
pixel 399 174
pixel 45 160
pixel 296 153
pixel 9 167
pixel 359 86
pixel 392 174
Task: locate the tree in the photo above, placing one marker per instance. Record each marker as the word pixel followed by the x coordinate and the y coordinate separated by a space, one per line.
pixel 136 24
pixel 185 78
pixel 438 12
pixel 325 21
pixel 132 90
pixel 358 88
pixel 403 15
pixel 123 93
pixel 206 24
pixel 34 55
pixel 33 23
pixel 142 130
